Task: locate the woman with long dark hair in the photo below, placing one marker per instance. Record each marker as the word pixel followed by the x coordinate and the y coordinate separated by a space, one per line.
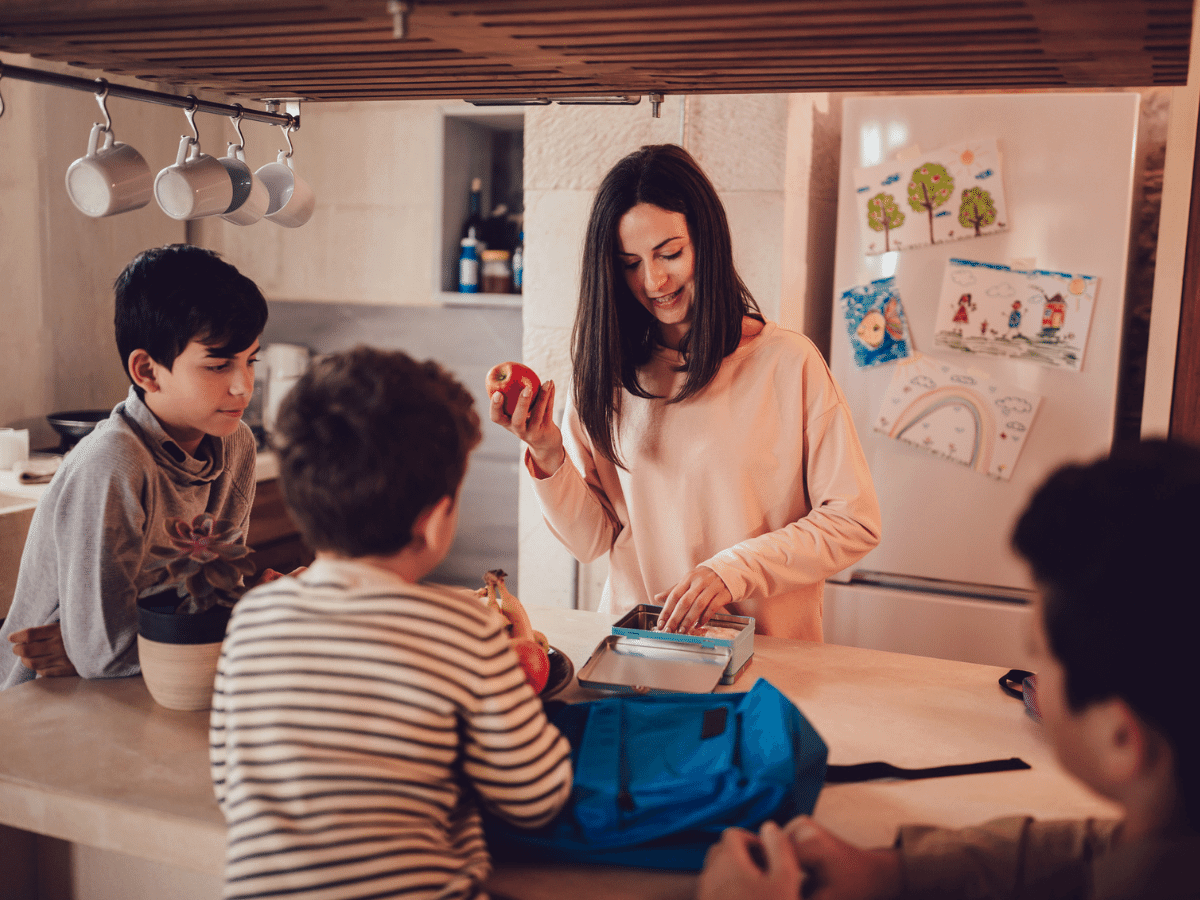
pixel 708 451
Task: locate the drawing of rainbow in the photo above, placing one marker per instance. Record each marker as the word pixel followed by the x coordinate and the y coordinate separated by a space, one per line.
pixel 939 398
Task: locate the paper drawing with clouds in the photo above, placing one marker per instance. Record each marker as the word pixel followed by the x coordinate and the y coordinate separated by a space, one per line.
pixel 1030 314
pixel 964 416
pixel 949 194
pixel 876 323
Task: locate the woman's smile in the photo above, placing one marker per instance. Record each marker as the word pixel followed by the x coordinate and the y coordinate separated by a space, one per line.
pixel 667 299
pixel 658 261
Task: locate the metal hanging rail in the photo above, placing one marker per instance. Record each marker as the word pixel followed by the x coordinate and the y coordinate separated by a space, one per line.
pixel 97 85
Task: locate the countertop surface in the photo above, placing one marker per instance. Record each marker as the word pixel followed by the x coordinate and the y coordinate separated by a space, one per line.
pixel 266 466
pixel 99 763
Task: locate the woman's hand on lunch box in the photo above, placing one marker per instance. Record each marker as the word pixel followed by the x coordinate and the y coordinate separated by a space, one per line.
pixel 744 864
pixel 41 649
pixel 533 423
pixel 698 596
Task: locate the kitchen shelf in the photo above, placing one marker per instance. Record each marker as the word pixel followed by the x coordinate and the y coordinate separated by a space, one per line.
pixel 488 301
pixel 484 144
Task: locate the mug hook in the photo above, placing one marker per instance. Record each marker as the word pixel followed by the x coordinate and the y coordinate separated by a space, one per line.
pixel 287 133
pixel 102 99
pixel 190 112
pixel 237 125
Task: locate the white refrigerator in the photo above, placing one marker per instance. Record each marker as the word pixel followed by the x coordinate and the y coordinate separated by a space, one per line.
pixel 943 581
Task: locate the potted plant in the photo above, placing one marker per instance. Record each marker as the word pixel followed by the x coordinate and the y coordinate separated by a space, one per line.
pixel 181 624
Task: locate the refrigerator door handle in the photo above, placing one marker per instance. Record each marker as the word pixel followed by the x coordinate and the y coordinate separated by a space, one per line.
pixel 861 577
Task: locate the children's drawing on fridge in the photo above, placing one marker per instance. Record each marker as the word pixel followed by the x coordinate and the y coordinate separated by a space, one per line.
pixel 1031 315
pixel 950 194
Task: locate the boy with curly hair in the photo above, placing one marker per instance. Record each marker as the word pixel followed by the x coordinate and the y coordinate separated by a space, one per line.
pixel 359 716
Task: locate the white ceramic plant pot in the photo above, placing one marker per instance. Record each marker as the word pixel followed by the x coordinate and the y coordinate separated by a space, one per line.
pixel 179 676
pixel 179 652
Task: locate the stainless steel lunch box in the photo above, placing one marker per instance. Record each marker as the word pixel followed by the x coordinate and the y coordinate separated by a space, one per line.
pixel 636 657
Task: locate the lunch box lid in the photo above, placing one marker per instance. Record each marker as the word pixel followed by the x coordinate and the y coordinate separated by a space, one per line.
pixel 644 665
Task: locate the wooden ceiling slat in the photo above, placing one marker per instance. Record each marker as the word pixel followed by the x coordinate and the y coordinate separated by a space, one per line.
pixel 328 49
pixel 907 63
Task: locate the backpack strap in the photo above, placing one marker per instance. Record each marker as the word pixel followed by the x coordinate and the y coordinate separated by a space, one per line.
pixel 597 767
pixel 874 770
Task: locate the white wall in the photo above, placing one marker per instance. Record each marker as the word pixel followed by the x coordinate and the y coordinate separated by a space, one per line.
pixel 375 169
pixel 56 336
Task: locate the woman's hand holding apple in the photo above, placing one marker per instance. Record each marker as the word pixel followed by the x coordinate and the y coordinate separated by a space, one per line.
pixel 532 421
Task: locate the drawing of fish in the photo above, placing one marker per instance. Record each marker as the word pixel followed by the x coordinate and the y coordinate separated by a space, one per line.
pixel 872 329
pixel 876 324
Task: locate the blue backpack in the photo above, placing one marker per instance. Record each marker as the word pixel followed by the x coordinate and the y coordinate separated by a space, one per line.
pixel 658 777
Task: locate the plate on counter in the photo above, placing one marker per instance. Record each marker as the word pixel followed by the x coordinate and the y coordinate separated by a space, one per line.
pixel 562 670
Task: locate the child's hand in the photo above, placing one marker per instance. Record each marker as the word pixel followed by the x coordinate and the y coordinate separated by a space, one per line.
pixel 839 871
pixel 41 649
pixel 270 575
pixel 741 864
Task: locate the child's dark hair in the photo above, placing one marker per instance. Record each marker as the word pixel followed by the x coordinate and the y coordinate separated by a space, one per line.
pixel 368 439
pixel 169 296
pixel 1109 544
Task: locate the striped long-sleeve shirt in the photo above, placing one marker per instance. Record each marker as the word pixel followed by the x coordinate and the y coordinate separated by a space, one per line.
pixel 357 720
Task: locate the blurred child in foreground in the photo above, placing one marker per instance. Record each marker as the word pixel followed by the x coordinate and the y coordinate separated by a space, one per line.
pixel 1114 634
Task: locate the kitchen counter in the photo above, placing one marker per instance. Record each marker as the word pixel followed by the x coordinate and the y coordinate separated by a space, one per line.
pixel 266 466
pixel 17 502
pixel 99 765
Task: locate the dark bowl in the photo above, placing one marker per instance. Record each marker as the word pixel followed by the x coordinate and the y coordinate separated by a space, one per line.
pixel 75 424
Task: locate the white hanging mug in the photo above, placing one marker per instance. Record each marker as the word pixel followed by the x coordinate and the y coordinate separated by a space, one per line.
pixel 250 197
pixel 292 200
pixel 112 178
pixel 197 185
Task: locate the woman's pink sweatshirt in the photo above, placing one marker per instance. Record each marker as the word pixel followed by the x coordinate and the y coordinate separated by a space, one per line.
pixel 760 477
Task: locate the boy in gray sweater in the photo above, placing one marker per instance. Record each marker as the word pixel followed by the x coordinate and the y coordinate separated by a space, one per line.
pixel 187 328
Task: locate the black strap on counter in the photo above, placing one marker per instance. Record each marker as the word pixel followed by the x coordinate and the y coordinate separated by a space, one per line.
pixel 875 770
pixel 1012 682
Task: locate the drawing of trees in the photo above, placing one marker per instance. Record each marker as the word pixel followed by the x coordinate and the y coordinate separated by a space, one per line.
pixel 883 215
pixel 977 209
pixel 931 186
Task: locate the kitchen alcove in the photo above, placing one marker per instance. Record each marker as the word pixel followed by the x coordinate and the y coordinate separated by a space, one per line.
pixel 487 144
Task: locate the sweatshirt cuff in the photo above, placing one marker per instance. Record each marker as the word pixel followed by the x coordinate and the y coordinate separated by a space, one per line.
pixel 734 579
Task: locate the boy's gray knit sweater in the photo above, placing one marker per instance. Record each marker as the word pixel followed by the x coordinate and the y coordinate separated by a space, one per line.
pixel 87 555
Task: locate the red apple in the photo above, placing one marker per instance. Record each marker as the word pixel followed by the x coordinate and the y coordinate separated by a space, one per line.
pixel 534 660
pixel 510 378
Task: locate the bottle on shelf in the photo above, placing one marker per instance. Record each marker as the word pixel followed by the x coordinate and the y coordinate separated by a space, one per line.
pixel 518 264
pixel 498 230
pixel 474 212
pixel 468 264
